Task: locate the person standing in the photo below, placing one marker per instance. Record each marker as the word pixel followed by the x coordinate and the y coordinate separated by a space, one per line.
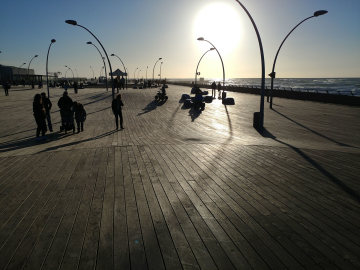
pixel 47 105
pixel 219 89
pixel 75 87
pixel 6 87
pixel 122 83
pixel 116 108
pixel 40 115
pixel 80 115
pixel 213 89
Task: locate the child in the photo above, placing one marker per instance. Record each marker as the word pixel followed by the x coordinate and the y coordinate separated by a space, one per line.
pixel 80 115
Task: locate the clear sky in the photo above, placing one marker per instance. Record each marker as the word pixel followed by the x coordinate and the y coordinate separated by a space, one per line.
pixel 141 31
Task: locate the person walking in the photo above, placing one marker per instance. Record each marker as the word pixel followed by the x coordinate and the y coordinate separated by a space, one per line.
pixel 40 115
pixel 219 89
pixel 213 89
pixel 116 108
pixel 6 87
pixel 47 105
pixel 75 87
pixel 80 115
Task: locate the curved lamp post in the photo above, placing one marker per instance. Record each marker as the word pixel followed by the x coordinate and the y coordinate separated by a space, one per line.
pixel 138 74
pixel 92 71
pixel 196 73
pixel 154 67
pixel 160 71
pixel 101 70
pixel 202 39
pixel 20 67
pixel 146 72
pixel 47 59
pixel 107 89
pixel 258 121
pixel 134 74
pixel 29 67
pixel 71 72
pixel 77 75
pixel 272 74
pixel 72 22
pixel 123 66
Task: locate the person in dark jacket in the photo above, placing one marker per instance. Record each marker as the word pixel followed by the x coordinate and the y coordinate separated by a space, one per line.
pixel 116 108
pixel 6 87
pixel 47 105
pixel 213 89
pixel 65 103
pixel 40 115
pixel 219 89
pixel 80 115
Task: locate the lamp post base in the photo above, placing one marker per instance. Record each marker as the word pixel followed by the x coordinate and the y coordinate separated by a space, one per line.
pixel 256 120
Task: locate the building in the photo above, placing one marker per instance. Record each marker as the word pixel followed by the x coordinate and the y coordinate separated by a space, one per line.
pixel 15 75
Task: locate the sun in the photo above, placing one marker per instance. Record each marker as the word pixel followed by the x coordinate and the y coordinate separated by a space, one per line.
pixel 219 24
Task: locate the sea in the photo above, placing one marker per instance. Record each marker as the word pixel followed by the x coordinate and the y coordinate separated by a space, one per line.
pixel 342 86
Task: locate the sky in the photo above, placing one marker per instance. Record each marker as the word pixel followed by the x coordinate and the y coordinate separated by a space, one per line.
pixel 142 31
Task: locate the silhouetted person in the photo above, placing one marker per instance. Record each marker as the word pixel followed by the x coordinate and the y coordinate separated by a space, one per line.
pixel 40 115
pixel 80 115
pixel 219 89
pixel 122 81
pixel 6 87
pixel 116 108
pixel 32 84
pixel 47 105
pixel 213 89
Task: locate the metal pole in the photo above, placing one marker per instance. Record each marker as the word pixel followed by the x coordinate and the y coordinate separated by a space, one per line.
pixel 29 67
pixel 261 120
pixel 124 68
pixel 154 67
pixel 160 72
pixel 107 89
pixel 273 73
pixel 112 80
pixel 92 72
pixel 134 75
pixel 199 63
pixel 47 59
pixel 19 68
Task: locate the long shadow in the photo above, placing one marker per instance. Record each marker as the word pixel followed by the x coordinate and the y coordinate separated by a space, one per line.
pixel 317 166
pixel 230 125
pixel 149 107
pixel 193 113
pixel 18 132
pixel 313 131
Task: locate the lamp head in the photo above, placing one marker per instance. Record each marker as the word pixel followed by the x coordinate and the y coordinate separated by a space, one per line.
pixel 112 54
pixel 320 12
pixel 53 40
pixel 200 38
pixel 24 63
pixel 212 49
pixel 66 66
pixel 36 56
pixel 89 42
pixel 160 58
pixel 72 22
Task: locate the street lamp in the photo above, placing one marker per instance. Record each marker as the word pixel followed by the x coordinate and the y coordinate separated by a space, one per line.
pixel 138 74
pixel 160 71
pixel 47 59
pixel 29 66
pixel 103 62
pixel 196 73
pixel 71 72
pixel 154 67
pixel 272 74
pixel 92 71
pixel 72 22
pixel 134 75
pixel 258 121
pixel 222 63
pixel 101 70
pixel 124 68
pixel 146 72
pixel 20 67
pixel 77 75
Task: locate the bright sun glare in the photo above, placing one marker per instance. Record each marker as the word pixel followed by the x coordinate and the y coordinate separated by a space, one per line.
pixel 219 24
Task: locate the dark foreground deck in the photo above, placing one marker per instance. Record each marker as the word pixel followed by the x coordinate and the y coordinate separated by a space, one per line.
pixel 178 188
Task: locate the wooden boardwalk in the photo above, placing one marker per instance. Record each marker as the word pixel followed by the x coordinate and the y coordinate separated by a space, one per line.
pixel 178 188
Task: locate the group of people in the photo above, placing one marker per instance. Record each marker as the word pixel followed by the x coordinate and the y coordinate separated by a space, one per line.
pixel 213 89
pixel 68 111
pixel 119 83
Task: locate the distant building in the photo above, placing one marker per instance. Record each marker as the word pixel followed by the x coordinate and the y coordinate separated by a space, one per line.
pixel 201 79
pixel 15 74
